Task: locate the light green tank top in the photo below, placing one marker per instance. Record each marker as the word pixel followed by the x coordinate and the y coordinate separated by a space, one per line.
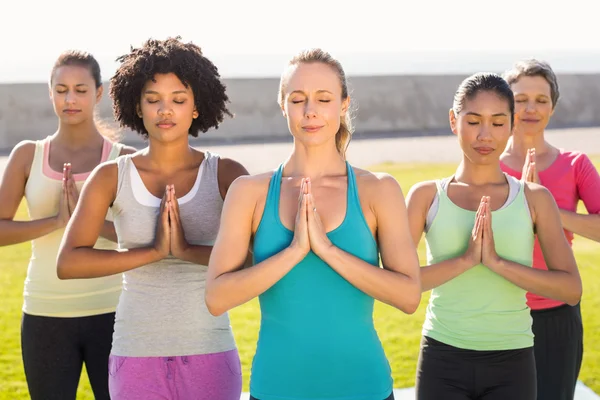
pixel 479 309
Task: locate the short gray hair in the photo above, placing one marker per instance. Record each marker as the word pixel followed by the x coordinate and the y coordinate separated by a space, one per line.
pixel 533 67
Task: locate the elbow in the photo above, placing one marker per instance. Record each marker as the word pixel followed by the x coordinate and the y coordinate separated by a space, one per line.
pixel 575 294
pixel 64 268
pixel 214 306
pixel 409 302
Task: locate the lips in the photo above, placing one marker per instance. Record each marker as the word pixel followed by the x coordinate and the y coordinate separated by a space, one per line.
pixel 484 150
pixel 312 128
pixel 165 124
pixel 530 120
pixel 71 111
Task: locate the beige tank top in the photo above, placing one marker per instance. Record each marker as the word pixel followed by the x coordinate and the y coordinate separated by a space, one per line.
pixel 44 294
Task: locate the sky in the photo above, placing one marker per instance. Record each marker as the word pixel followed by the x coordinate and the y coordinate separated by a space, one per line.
pixel 256 38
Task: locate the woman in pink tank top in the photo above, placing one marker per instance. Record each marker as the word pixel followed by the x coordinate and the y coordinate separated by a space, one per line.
pixel 571 177
pixel 64 325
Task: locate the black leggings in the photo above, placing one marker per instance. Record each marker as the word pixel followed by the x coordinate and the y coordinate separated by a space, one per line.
pixel 558 351
pixel 449 373
pixel 54 350
pixel 390 397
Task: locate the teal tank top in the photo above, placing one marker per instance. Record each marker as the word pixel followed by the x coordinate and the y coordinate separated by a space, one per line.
pixel 317 339
pixel 479 309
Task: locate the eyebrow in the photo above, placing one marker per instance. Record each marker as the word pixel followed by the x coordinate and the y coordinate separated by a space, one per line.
pixel 494 115
pixel 527 94
pixel 318 91
pixel 155 92
pixel 79 84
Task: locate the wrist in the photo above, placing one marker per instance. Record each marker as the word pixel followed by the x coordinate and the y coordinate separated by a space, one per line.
pixel 495 263
pixel 326 251
pixel 465 262
pixel 58 223
pixel 296 253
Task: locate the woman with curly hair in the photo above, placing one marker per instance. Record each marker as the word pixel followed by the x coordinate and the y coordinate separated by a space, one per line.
pixel 167 201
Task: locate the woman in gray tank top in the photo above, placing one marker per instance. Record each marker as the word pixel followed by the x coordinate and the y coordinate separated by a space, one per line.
pixel 167 201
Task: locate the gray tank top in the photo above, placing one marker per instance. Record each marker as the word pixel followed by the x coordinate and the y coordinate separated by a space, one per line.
pixel 161 310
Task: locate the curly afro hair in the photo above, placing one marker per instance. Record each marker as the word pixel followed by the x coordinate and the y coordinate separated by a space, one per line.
pixel 162 57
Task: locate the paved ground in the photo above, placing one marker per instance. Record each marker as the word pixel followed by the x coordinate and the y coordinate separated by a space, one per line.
pixel 364 152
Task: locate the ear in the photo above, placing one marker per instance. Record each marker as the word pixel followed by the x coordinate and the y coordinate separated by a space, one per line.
pixel 195 113
pixel 138 110
pixel 283 112
pixel 453 122
pixel 99 94
pixel 50 94
pixel 345 106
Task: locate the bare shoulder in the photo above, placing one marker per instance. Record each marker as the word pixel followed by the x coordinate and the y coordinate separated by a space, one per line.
pixel 538 195
pixel 376 180
pixel 128 150
pixel 105 173
pixel 251 185
pixel 23 152
pixel 423 190
pixel 21 157
pixel 231 167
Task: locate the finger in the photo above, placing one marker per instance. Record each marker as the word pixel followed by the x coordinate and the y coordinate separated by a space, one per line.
pixel 304 211
pixel 65 173
pixel 309 187
pixel 301 194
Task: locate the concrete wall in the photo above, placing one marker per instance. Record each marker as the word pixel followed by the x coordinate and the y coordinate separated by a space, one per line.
pixel 384 105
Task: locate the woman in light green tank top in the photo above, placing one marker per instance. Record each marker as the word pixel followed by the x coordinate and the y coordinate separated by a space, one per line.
pixel 480 225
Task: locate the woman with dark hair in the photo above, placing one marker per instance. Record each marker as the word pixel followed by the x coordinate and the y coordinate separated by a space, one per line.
pixel 65 324
pixel 480 225
pixel 167 201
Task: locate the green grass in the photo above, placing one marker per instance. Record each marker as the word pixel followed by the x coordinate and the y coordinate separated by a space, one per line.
pixel 399 333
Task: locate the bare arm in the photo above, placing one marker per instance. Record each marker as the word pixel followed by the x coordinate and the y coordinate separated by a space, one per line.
pixel 587 180
pixel 419 200
pixel 12 190
pixel 228 283
pixel 77 257
pixel 562 281
pixel 398 283
pixel 586 225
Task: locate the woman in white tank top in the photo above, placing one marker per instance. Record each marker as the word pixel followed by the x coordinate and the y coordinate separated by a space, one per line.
pixel 65 324
pixel 166 201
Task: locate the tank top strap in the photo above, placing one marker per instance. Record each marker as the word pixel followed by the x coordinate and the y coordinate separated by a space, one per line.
pixel 353 198
pixel 210 167
pixel 272 202
pixel 114 150
pixel 37 164
pixel 123 174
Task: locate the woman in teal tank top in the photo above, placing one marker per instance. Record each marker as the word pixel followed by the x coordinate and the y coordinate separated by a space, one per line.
pixel 480 224
pixel 317 227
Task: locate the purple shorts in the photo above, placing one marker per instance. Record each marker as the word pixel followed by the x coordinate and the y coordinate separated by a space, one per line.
pixel 206 376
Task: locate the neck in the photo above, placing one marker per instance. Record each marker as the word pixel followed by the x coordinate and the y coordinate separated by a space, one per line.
pixel 519 144
pixel 170 156
pixel 477 174
pixel 77 136
pixel 314 162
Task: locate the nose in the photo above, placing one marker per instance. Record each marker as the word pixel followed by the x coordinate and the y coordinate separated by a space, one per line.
pixel 530 107
pixel 164 109
pixel 310 110
pixel 70 97
pixel 485 133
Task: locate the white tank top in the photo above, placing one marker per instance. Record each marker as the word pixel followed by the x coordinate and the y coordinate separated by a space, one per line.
pixel 44 294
